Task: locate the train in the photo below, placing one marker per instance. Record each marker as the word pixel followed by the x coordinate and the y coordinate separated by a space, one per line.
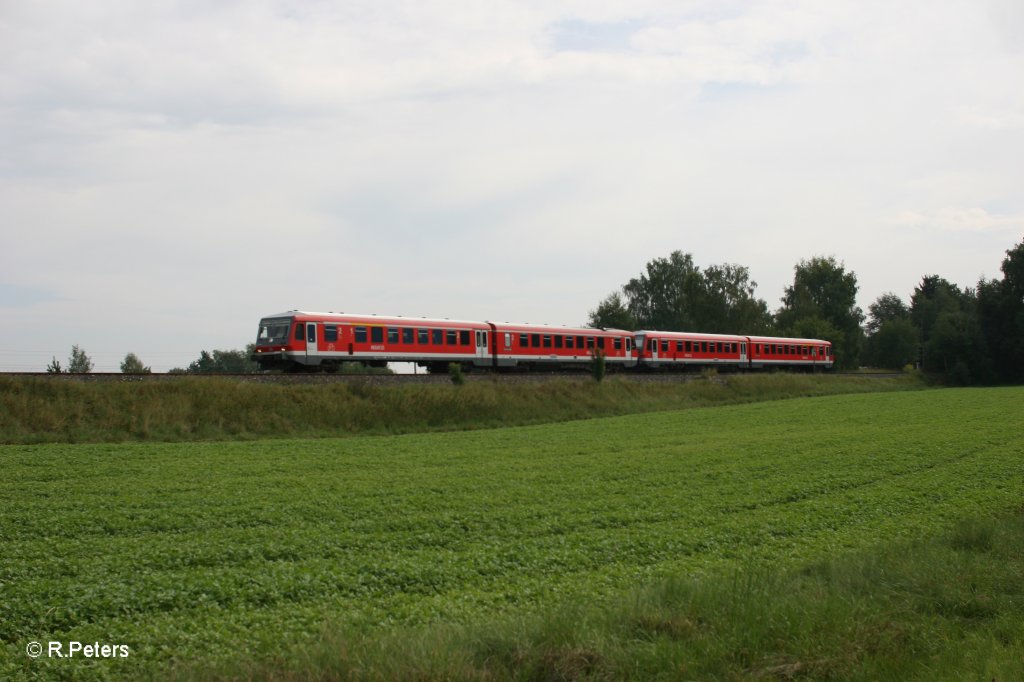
pixel 298 341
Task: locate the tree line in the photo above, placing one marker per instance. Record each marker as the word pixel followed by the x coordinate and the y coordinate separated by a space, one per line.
pixel 215 362
pixel 970 335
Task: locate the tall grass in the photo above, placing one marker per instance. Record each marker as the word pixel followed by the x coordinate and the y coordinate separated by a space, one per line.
pixel 941 608
pixel 35 410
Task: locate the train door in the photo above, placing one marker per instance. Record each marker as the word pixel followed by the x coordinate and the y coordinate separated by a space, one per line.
pixel 652 346
pixel 743 352
pixel 312 355
pixel 481 347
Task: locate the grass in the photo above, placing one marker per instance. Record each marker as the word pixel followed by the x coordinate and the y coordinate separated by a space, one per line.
pixel 231 553
pixel 47 410
pixel 943 607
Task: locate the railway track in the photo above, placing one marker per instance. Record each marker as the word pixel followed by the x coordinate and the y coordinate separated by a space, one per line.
pixel 391 379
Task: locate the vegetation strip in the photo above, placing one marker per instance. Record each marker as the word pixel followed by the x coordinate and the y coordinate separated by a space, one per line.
pixel 239 551
pixel 40 411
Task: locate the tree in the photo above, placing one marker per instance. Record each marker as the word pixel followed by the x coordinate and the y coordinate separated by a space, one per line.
pixel 952 341
pixel 892 340
pixel 727 304
pixel 673 294
pixel 611 313
pixel 886 308
pixel 1001 316
pixel 79 362
pixel 823 290
pixel 894 344
pixel 54 367
pixel 664 296
pixel 224 361
pixel 133 365
pixel 933 297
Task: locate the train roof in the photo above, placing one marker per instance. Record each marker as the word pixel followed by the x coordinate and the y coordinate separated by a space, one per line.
pixel 691 335
pixel 784 339
pixel 553 329
pixel 378 319
pixel 436 321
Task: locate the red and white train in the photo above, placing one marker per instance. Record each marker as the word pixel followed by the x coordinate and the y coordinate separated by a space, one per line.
pixel 304 341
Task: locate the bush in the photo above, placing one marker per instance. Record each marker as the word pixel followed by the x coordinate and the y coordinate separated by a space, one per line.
pixel 598 367
pixel 455 372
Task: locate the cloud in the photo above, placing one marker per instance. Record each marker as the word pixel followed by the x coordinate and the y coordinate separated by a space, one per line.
pixel 18 296
pixel 195 165
pixel 959 219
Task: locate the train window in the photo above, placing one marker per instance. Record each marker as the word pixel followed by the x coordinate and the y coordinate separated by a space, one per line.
pixel 558 340
pixel 703 346
pixel 600 342
pixel 664 346
pixel 679 346
pixel 437 336
pixel 408 335
pixel 652 345
pixel 273 331
pixel 568 342
pixel 360 333
pixel 392 335
pixel 535 340
pixel 451 337
pixel 524 340
pixel 300 330
pixel 423 336
pixel 689 346
pixel 590 343
pixel 464 337
pixel 617 344
pixel 377 334
pixel 547 340
pixel 330 333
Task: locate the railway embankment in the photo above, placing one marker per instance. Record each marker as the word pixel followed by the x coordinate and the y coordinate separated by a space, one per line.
pixel 182 408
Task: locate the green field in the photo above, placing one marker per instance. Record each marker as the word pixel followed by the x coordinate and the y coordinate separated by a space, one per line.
pixel 240 551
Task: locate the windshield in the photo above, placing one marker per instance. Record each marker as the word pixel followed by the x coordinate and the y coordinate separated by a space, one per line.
pixel 273 331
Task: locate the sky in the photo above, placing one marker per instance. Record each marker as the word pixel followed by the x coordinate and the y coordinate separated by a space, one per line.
pixel 172 170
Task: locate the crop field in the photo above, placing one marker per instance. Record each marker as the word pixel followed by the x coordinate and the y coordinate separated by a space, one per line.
pixel 246 551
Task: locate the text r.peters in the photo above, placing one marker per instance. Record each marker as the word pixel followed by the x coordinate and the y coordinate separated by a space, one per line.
pixel 94 650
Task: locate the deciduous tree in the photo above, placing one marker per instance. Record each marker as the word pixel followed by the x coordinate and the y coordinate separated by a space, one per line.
pixel 133 365
pixel 823 290
pixel 79 362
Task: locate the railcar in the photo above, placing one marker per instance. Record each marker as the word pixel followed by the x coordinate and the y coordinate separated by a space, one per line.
pixel 682 350
pixel 541 346
pixel 767 352
pixel 298 340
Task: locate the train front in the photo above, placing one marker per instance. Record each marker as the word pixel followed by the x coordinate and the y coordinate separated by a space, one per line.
pixel 273 342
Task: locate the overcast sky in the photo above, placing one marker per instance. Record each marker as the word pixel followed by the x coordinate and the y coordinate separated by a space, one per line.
pixel 170 171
